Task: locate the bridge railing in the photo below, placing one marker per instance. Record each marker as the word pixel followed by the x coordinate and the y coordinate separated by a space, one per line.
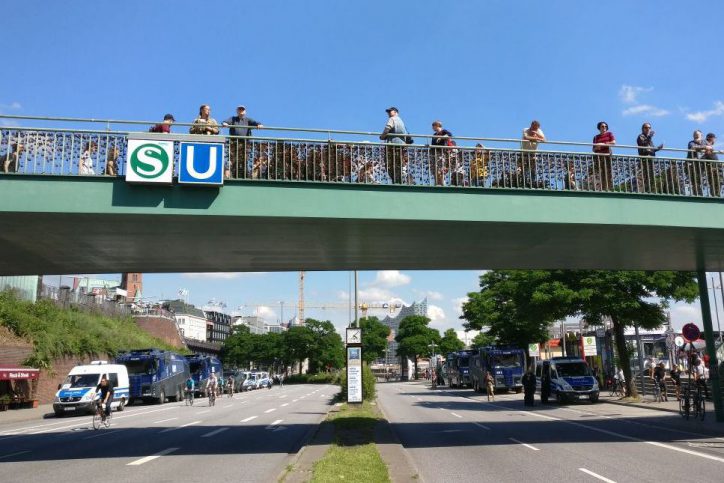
pixel 66 152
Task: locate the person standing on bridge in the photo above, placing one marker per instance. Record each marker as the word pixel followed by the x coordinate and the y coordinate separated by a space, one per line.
pixel 204 123
pixel 85 163
pixel 239 148
pixel 441 153
pixel 532 135
pixel 395 134
pixel 714 172
pixel 165 126
pixel 645 142
pixel 601 168
pixel 11 160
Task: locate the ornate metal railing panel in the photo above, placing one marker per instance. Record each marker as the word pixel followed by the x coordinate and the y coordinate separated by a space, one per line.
pixel 26 151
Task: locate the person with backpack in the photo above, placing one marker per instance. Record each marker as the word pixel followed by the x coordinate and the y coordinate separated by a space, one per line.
pixel 189 388
pixel 395 134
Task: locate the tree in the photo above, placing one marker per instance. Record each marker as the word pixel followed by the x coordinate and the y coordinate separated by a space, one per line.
pixel 297 344
pixel 483 339
pixel 374 338
pixel 519 306
pixel 414 338
pixel 327 349
pixel 450 342
pixel 237 349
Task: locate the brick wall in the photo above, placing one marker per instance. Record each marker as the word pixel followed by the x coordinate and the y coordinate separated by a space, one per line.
pixel 162 328
pixel 14 355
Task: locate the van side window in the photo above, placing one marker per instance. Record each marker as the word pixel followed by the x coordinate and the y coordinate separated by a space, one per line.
pixel 113 379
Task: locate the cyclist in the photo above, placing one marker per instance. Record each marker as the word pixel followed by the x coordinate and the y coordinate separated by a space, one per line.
pixel 230 386
pixel 105 389
pixel 189 387
pixel 658 373
pixel 212 384
pixel 700 374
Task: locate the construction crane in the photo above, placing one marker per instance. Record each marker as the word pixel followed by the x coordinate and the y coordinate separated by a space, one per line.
pixel 364 307
pixel 300 303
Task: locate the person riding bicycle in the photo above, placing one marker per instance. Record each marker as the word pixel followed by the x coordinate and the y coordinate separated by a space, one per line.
pixel 189 385
pixel 105 389
pixel 701 374
pixel 230 386
pixel 212 384
pixel 658 373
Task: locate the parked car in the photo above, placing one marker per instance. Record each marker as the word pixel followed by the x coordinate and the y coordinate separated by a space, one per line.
pixel 239 378
pixel 264 381
pixel 250 383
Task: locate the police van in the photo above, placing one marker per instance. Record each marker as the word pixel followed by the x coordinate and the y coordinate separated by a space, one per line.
pixel 78 391
pixel 569 378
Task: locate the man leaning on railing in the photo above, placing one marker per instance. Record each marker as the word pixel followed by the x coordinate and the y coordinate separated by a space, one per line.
pixel 239 125
pixel 645 142
pixel 394 133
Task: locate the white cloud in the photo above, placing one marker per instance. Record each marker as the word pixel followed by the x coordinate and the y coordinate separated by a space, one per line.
pixel 222 275
pixel 702 116
pixel 436 314
pixel 683 314
pixel 13 106
pixel 458 305
pixel 428 294
pixel 375 294
pixel 391 278
pixel 266 313
pixel 630 94
pixel 645 109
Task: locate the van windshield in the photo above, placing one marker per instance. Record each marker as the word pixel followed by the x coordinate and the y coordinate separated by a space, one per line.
pixel 505 361
pixel 196 366
pixel 141 367
pixel 464 361
pixel 573 370
pixel 83 380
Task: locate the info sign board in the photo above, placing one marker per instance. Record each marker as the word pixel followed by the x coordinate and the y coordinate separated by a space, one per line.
pixel 589 346
pixel 533 350
pixel 354 374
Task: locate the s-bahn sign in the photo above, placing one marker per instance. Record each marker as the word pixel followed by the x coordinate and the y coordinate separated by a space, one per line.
pixel 149 161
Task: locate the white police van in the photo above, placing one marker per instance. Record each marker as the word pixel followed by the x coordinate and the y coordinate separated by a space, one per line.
pixel 570 379
pixel 77 393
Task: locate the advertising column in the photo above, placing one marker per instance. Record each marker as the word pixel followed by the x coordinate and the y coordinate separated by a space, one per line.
pixel 354 365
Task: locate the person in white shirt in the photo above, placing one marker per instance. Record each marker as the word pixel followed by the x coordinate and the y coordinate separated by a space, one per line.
pixel 531 137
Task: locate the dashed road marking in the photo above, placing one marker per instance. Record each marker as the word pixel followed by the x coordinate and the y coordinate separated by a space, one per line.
pixel 214 432
pixel 14 454
pixel 102 433
pixel 248 419
pixel 482 426
pixel 152 457
pixel 164 420
pixel 456 415
pixel 524 444
pixel 596 475
pixel 179 427
pixel 270 410
pixel 285 404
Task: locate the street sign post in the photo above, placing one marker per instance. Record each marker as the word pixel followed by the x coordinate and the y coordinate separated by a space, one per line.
pixel 589 346
pixel 354 364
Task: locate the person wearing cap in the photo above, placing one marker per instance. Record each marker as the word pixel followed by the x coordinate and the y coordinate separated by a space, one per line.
pixel 165 126
pixel 239 125
pixel 204 123
pixel 394 133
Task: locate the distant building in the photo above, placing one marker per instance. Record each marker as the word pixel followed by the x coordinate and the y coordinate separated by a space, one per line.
pixel 132 283
pixel 190 320
pixel 274 328
pixel 218 326
pixel 417 308
pixel 255 323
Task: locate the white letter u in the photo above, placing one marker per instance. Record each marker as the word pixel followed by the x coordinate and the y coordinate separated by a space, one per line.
pixel 191 165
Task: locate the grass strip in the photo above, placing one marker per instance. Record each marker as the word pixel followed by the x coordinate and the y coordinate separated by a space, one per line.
pixel 353 456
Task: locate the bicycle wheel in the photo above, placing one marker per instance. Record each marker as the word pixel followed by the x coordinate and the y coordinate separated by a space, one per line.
pixel 97 419
pixel 107 420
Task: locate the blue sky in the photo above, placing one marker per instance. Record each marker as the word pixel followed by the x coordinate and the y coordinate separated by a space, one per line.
pixel 484 68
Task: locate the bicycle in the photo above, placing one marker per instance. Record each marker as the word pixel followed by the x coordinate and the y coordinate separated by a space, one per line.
pixel 685 402
pixel 658 395
pixel 189 399
pixel 212 397
pixel 617 388
pixel 698 404
pixel 100 418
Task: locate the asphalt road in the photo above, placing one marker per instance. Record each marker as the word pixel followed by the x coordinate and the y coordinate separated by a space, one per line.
pixel 250 437
pixel 456 435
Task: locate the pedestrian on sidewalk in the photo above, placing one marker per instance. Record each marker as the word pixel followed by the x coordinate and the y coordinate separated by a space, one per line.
pixel 528 387
pixel 489 385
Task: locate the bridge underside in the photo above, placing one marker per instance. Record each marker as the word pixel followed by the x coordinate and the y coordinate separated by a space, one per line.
pixel 53 226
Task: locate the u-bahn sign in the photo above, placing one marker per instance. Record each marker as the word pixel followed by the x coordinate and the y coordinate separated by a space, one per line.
pixel 149 161
pixel 201 164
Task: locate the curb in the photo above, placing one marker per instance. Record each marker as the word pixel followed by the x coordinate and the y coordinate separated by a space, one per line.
pixel 399 463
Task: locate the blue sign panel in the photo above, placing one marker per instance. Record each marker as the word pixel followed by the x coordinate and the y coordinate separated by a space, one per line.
pixel 202 164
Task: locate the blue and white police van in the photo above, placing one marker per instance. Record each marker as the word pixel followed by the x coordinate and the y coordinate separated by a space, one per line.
pixel 570 379
pixel 78 392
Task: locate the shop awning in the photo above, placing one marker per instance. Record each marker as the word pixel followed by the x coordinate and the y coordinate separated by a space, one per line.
pixel 554 343
pixel 15 373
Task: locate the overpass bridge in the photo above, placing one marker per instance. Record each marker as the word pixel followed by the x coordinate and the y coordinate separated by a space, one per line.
pixel 79 200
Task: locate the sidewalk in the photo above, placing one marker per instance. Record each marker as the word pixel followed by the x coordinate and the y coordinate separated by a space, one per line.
pixel 646 402
pixel 21 415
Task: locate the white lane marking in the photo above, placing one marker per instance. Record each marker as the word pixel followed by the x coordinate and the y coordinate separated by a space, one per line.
pixel 596 475
pixel 14 454
pixel 274 424
pixel 284 405
pixel 164 420
pixel 248 419
pixel 152 457
pixel 456 415
pixel 179 427
pixel 214 432
pixel 102 433
pixel 85 423
pixel 295 400
pixel 205 411
pixel 619 435
pixel 282 397
pixel 524 444
pixel 270 410
pixel 482 426
pixel 228 406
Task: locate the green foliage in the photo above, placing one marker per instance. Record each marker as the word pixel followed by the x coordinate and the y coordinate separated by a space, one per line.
pixel 321 378
pixel 369 390
pixel 415 338
pixel 298 344
pixel 519 306
pixel 374 338
pixel 327 348
pixel 56 333
pixel 450 342
pixel 483 339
